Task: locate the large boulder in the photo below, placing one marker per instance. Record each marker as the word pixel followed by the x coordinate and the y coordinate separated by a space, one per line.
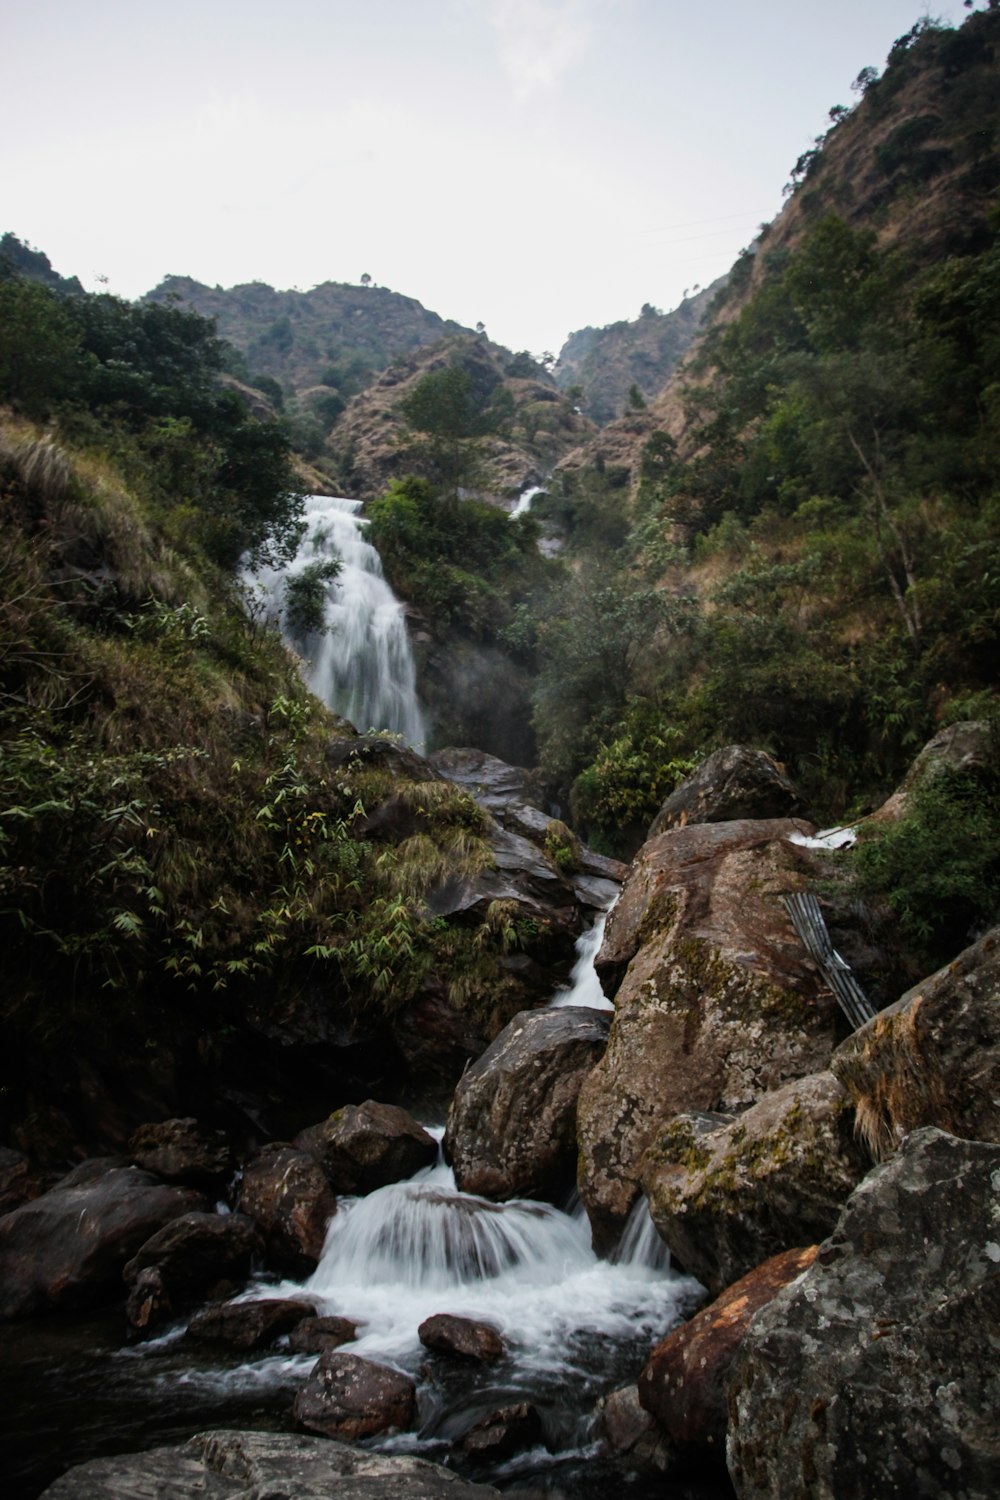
pixel 286 1193
pixel 502 1433
pixel 494 784
pixel 730 784
pixel 876 1373
pixel 196 1252
pixel 968 746
pixel 349 1397
pixel 66 1249
pixel 512 1123
pixel 366 1146
pixel 683 1384
pixel 320 1335
pixel 933 1058
pixel 182 1151
pixel 775 1178
pixel 251 1465
pixel 716 1001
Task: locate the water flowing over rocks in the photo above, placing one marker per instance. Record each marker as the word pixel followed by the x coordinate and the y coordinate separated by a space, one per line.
pixel 716 1002
pixel 286 1193
pixel 196 1252
pixel 248 1324
pixel 67 1248
pixel 252 1465
pixel 182 1151
pixel 366 1146
pixel 512 1124
pixel 876 1372
pixel 684 1382
pixel 774 1178
pixel 933 1058
pixel 348 1397
pixel 464 1338
pixel 730 784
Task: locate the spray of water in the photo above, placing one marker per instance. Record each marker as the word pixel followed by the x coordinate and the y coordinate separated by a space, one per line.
pixel 360 664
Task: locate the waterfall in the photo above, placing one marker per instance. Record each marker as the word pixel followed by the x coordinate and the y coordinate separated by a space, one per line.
pixel 525 498
pixel 415 1248
pixel 584 986
pixel 360 664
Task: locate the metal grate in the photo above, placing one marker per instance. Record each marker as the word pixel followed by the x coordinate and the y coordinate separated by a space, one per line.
pixel 807 919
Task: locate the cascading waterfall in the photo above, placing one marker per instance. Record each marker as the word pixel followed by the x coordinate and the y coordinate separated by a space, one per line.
pixel 360 664
pixel 525 498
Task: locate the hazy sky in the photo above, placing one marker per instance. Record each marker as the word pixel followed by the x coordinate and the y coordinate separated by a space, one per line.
pixel 535 164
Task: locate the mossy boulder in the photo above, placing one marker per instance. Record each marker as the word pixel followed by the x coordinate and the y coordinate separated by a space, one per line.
pixel 716 1002
pixel 773 1179
pixel 933 1058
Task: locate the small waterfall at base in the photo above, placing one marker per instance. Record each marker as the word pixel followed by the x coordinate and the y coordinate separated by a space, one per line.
pixel 584 986
pixel 361 664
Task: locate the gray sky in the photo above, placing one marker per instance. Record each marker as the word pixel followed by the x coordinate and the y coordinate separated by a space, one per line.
pixel 535 164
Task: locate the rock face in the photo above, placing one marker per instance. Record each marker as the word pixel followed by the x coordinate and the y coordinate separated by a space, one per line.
pixel 684 1383
pixel 877 1373
pixel 66 1249
pixel 248 1325
pixel 286 1193
pixel 366 1146
pixel 461 1337
pixel 933 1058
pixel 251 1465
pixel 776 1177
pixel 351 1398
pixel 512 1124
pixel 196 1251
pixel 716 1000
pixel 730 784
pixel 182 1151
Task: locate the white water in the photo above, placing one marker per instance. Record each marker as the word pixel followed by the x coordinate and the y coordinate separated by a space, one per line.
pixel 361 664
pixel 584 985
pixel 420 1247
pixel 525 498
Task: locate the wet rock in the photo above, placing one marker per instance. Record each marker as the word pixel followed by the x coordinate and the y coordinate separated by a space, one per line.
pixel 66 1248
pixel 196 1251
pixel 351 1398
pixel 876 1372
pixel 182 1151
pixel 18 1182
pixel 318 1335
pixel 933 1058
pixel 506 1431
pixel 684 1382
pixel 631 1433
pixel 716 1002
pixel 730 784
pixel 148 1306
pixel 463 1337
pixel 512 1123
pixel 961 747
pixel 494 784
pixel 252 1465
pixel 775 1178
pixel 286 1193
pixel 375 751
pixel 248 1325
pixel 366 1146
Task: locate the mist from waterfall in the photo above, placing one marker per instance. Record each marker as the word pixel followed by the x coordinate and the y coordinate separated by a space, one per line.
pixel 360 664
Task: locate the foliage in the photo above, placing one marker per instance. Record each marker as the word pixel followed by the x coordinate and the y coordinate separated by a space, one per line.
pixel 938 868
pixel 616 797
pixel 306 595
